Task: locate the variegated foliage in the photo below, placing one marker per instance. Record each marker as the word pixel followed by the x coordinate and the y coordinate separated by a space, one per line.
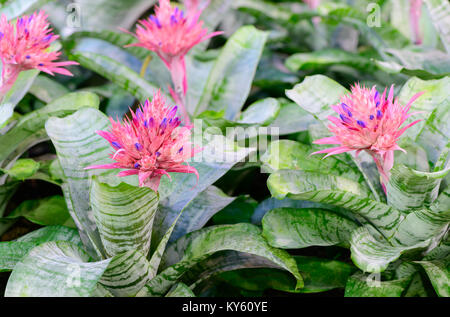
pixel 409 227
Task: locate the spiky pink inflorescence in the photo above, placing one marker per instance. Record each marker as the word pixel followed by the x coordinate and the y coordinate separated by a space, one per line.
pixel 415 11
pixel 370 122
pixel 171 33
pixel 313 4
pixel 25 45
pixel 150 144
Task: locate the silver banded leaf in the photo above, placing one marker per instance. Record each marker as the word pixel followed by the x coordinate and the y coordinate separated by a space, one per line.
pixel 439 273
pixel 440 15
pixel 362 285
pixel 435 96
pixel 118 73
pixel 78 146
pixel 17 8
pixel 374 255
pixel 55 269
pixel 180 290
pixel 293 228
pixel 124 216
pixel 199 245
pixel 410 189
pixel 319 274
pixel 219 155
pixel 12 252
pixel 291 155
pixel 424 224
pixel 47 89
pixel 126 274
pixel 334 190
pixel 25 131
pixel 198 212
pixel 231 77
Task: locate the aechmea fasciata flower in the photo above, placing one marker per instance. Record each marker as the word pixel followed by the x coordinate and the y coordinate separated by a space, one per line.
pixel 415 11
pixel 25 45
pixel 150 144
pixel 171 33
pixel 367 121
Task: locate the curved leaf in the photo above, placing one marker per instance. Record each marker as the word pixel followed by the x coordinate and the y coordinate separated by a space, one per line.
pixel 410 189
pixel 33 122
pixel 199 245
pixel 124 216
pixel 374 255
pixel 439 273
pixel 126 274
pixel 231 77
pixel 180 290
pixel 78 146
pixel 12 252
pixel 118 73
pixel 291 228
pixel 55 269
pixel 361 285
pixel 334 190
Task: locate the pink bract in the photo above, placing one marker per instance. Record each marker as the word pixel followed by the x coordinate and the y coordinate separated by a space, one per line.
pixel 150 144
pixel 171 34
pixel 369 122
pixel 25 45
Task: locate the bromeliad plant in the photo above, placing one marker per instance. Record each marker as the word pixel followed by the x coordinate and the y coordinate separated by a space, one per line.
pixel 394 240
pixel 123 228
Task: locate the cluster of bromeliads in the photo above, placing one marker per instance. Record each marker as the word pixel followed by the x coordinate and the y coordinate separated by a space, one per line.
pixel 155 141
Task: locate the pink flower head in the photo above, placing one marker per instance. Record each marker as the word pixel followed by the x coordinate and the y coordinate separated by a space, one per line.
pixel 313 4
pixel 150 144
pixel 171 33
pixel 25 45
pixel 415 11
pixel 369 122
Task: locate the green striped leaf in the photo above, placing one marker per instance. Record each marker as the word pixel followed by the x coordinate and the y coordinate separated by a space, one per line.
pixel 27 131
pixel 198 245
pixel 45 212
pixel 219 155
pixel 439 273
pixel 47 89
pixel 423 224
pixel 78 146
pixel 126 274
pixel 118 73
pixel 231 77
pixel 435 96
pixel 293 228
pixel 12 252
pixel 291 118
pixel 291 155
pixel 262 112
pixel 180 290
pixel 17 8
pixel 334 190
pixel 410 189
pixel 319 60
pixel 319 274
pixel 124 216
pixel 374 254
pixel 363 285
pixel 198 212
pixel 440 15
pixel 55 269
pixel 20 87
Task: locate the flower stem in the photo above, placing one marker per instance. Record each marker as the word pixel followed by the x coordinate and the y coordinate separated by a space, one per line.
pixel 145 66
